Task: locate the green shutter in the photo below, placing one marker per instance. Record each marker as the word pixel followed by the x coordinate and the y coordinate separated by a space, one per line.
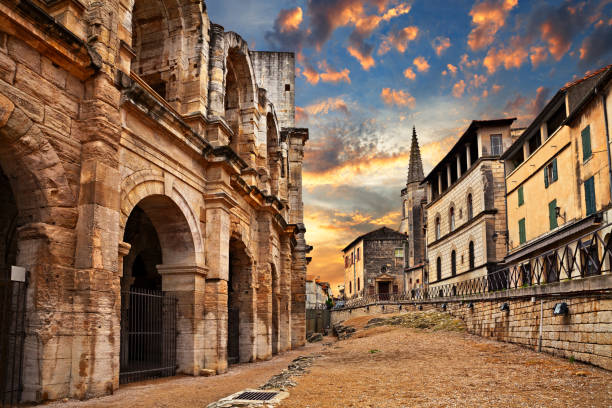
pixel 522 234
pixel 552 214
pixel 589 195
pixel 586 143
pixel 554 170
pixel 521 197
pixel 546 176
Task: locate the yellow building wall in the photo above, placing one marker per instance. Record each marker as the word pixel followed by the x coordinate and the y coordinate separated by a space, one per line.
pixel 353 272
pixel 568 190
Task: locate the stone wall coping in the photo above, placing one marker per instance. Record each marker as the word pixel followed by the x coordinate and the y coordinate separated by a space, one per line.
pixel 182 270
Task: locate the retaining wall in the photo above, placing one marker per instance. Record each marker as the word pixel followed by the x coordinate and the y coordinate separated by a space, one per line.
pixel 585 333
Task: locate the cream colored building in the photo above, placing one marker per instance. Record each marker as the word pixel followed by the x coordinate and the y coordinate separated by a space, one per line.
pixel 466 205
pixel 558 171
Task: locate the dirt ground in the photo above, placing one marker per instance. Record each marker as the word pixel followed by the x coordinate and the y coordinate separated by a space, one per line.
pixel 386 367
pixel 186 392
pixel 401 367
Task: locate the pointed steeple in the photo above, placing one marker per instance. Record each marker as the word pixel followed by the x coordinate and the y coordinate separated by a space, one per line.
pixel 415 168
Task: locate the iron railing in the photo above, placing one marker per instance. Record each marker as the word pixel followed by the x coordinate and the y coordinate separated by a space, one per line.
pixel 12 338
pixel 148 335
pixel 588 255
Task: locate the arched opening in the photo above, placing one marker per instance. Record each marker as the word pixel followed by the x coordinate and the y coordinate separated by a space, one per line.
pixel 8 227
pixel 451 219
pixel 232 102
pixel 453 263
pixel 240 305
pixel 156 33
pixel 437 227
pixel 470 209
pixel 158 234
pixel 274 154
pixel 275 309
pixel 471 254
pixel 439 268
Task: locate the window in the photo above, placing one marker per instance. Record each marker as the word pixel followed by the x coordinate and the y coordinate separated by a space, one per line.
pixel 551 267
pixel 496 145
pixel 350 287
pixel 555 120
pixel 521 196
pixel 439 268
pixel 552 214
pixel 470 209
pixel 589 258
pixel 534 143
pixel 471 254
pixel 358 284
pixel 522 232
pixel 451 220
pixel 358 254
pixel 352 258
pixel 346 261
pixel 437 227
pixel 453 263
pixel 287 87
pixel 586 143
pixel 589 196
pixel 399 252
pixel 550 173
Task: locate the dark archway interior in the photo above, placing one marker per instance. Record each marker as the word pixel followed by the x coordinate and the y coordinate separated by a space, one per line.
pixel 232 102
pixel 8 226
pixel 145 253
pixel 239 309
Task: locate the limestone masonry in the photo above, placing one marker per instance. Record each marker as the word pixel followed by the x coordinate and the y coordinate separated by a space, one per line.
pixel 144 151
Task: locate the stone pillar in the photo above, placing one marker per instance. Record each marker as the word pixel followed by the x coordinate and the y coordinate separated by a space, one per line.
pixel 46 251
pixel 187 283
pixel 448 175
pixel 285 297
pixel 218 204
pixel 264 287
pixel 468 155
pixel 298 291
pixel 458 166
pixel 216 86
pixel 439 183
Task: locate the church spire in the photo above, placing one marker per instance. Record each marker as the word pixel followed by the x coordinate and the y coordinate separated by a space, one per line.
pixel 415 168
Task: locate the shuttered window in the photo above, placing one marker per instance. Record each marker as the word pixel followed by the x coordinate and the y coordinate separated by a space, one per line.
pixel 589 196
pixel 552 214
pixel 550 173
pixel 586 143
pixel 521 196
pixel 522 233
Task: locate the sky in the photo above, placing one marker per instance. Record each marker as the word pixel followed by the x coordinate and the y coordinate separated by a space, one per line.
pixel 367 71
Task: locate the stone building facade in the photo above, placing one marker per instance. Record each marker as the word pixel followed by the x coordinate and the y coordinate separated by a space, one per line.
pixel 466 212
pixel 413 220
pixel 143 147
pixel 374 264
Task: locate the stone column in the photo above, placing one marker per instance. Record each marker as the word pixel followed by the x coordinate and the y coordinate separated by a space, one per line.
pixel 264 286
pixel 216 86
pixel 285 297
pixel 187 283
pixel 218 205
pixel 448 175
pixel 439 183
pixel 298 291
pixel 458 166
pixel 468 155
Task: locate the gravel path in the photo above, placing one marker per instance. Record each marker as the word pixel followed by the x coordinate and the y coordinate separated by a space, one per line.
pixel 401 367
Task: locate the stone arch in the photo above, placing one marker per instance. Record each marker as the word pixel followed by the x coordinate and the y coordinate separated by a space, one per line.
pixel 34 170
pixel 241 303
pixel 166 39
pixel 149 183
pixel 274 153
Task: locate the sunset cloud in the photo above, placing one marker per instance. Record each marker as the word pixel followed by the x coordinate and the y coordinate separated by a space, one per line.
pixel 398 40
pixel 325 106
pixel 452 69
pixel 398 98
pixel 409 73
pixel 421 64
pixel 512 56
pixel 538 55
pixel 290 20
pixel 487 18
pixel 441 44
pixel 366 60
pixel 331 75
pixel 459 89
pixel 478 80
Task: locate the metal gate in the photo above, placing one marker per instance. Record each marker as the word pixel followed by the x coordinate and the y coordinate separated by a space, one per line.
pixel 148 335
pixel 12 337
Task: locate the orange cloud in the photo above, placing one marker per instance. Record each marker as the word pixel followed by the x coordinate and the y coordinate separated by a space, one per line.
pixel 409 73
pixel 290 20
pixel 365 60
pixel 478 80
pixel 538 55
pixel 311 75
pixel 401 9
pixel 327 105
pixel 466 63
pixel 511 57
pixel 557 44
pixel 459 89
pixel 452 69
pixel 496 88
pixel 485 93
pixel 399 40
pixel 399 98
pixel 441 44
pixel 300 114
pixel 331 75
pixel 488 17
pixel 421 64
